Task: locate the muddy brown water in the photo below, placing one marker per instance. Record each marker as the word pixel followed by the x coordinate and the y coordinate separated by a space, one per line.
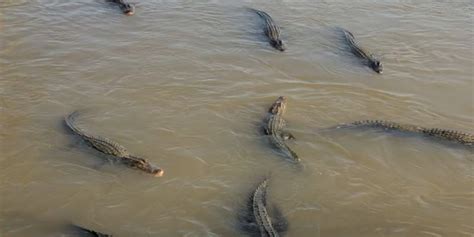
pixel 186 84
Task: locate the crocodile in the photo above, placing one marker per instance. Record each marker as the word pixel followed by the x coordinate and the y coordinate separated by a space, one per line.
pixel 273 127
pixel 449 135
pixel 127 8
pixel 272 31
pixel 371 61
pixel 256 218
pixel 88 232
pixel 112 148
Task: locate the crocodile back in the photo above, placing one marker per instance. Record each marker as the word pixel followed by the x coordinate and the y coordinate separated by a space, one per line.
pixel 107 146
pixel 355 48
pixel 274 124
pixel 272 30
pixel 274 121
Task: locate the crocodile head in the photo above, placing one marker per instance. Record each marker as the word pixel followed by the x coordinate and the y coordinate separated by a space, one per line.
pixel 144 165
pixel 128 9
pixel 279 106
pixel 376 65
pixel 278 44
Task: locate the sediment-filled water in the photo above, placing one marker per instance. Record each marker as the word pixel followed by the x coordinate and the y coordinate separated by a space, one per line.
pixel 186 84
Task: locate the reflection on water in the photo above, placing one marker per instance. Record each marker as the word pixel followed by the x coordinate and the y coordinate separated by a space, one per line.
pixel 186 85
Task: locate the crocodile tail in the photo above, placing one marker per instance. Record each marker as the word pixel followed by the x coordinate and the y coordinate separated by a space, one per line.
pixel 294 156
pixel 388 125
pixel 349 38
pixel 263 187
pixel 363 122
pixel 373 123
pixel 264 15
pixel 346 32
pixel 291 154
pixel 69 120
pixel 252 10
pixel 451 135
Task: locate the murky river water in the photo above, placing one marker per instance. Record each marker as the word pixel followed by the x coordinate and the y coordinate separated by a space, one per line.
pixel 186 84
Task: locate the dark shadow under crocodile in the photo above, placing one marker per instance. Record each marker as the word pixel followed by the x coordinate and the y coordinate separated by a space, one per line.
pixel 113 149
pixel 454 137
pixel 257 219
pixel 81 231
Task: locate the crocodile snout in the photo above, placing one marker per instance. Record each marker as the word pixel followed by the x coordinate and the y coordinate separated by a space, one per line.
pixel 129 12
pixel 158 172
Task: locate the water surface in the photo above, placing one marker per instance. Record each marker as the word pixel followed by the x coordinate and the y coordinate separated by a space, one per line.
pixel 186 85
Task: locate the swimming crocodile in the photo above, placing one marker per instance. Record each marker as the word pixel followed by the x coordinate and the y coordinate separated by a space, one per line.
pixel 273 127
pixel 370 60
pixel 90 232
pixel 450 135
pixel 113 149
pixel 272 31
pixel 127 8
pixel 256 218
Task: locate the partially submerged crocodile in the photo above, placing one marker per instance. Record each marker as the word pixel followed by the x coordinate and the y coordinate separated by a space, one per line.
pixel 450 135
pixel 90 232
pixel 370 60
pixel 272 31
pixel 274 123
pixel 256 218
pixel 113 149
pixel 127 8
